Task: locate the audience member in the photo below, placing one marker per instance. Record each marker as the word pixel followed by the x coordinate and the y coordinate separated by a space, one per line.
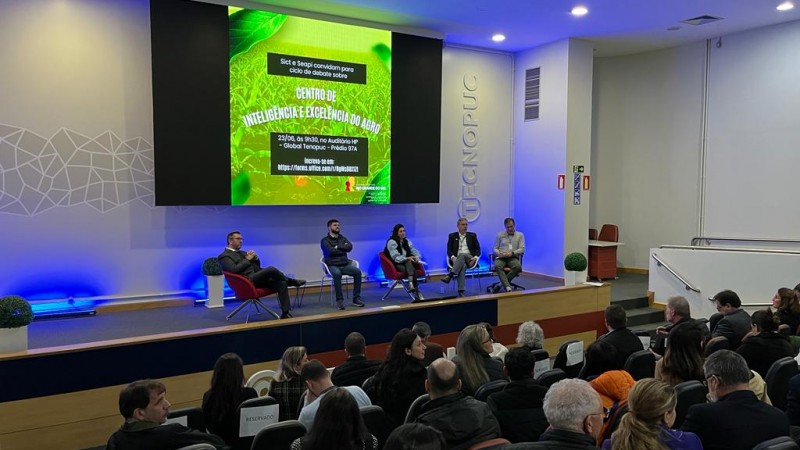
pixel 613 387
pixel 759 387
pixel 318 382
pixel 227 392
pixel 530 336
pixel 357 368
pixel 335 248
pixel 433 351
pixel 144 406
pixel 463 250
pixel 519 406
pixel 575 414
pixel 474 363
pixel 401 377
pixel 600 357
pixel 337 424
pixel 415 436
pixel 716 343
pixel 765 345
pixel 405 257
pixel 677 313
pixel 288 386
pixel 736 419
pixel 735 322
pixel 787 306
pixel 462 420
pixel 793 401
pixel 498 350
pixel 509 245
pixel 646 426
pixel 619 335
pixel 684 359
pixel 246 263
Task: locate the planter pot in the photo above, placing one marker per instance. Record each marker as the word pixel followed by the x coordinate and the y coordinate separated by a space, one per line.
pixel 13 339
pixel 571 278
pixel 214 285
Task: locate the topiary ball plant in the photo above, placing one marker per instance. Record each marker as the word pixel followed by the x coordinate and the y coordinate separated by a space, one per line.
pixel 15 312
pixel 211 267
pixel 575 262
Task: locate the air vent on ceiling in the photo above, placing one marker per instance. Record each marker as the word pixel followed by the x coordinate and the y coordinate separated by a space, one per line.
pixel 701 20
pixel 532 79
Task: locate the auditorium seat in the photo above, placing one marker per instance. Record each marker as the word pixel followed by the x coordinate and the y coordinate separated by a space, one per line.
pixel 391 273
pixel 777 380
pixel 688 393
pixel 778 443
pixel 376 422
pixel 278 436
pixel 641 364
pixel 191 417
pixel 253 415
pixel 261 381
pixel 245 290
pixel 489 388
pixel 490 444
pixel 542 364
pixel 550 377
pixel 571 366
pixel 416 405
pixel 200 446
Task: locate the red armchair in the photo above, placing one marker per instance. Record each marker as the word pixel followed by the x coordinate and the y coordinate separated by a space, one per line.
pixel 245 290
pixel 391 273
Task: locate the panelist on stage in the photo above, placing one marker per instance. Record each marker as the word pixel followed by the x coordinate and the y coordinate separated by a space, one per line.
pixel 405 257
pixel 246 263
pixel 463 251
pixel 335 248
pixel 509 245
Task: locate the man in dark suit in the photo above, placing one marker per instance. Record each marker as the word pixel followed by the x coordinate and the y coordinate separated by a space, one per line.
pixel 736 419
pixel 519 406
pixel 433 351
pixel 357 368
pixel 619 335
pixel 735 322
pixel 246 263
pixel 463 251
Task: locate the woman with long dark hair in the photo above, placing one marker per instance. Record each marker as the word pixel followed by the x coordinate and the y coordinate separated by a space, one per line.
pixel 288 386
pixel 787 308
pixel 227 392
pixel 646 426
pixel 403 254
pixel 683 360
pixel 400 379
pixel 337 424
pixel 766 345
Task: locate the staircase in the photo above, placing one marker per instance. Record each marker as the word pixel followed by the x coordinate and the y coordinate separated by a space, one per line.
pixel 641 317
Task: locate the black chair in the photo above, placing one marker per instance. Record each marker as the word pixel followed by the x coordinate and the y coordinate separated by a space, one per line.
pixel 490 388
pixel 615 419
pixel 247 441
pixel 778 443
pixel 376 422
pixel 641 364
pixel 416 405
pixel 278 436
pixel 542 359
pixel 191 417
pixel 368 386
pixel 561 358
pixel 301 403
pixel 688 393
pixel 497 286
pixel 550 377
pixel 777 380
pixel 646 338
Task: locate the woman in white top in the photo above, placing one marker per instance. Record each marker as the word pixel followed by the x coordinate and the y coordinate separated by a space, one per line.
pixel 403 254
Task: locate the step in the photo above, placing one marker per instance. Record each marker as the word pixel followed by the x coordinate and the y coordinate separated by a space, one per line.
pixel 632 303
pixel 644 316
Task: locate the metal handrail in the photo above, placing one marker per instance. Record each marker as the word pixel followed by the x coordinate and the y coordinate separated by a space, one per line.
pixel 732 249
pixel 661 263
pixel 698 239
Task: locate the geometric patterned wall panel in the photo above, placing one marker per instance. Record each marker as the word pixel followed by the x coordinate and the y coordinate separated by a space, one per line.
pixel 37 174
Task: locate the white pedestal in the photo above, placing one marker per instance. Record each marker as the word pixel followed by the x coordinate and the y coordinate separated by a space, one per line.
pixel 13 339
pixel 214 285
pixel 571 278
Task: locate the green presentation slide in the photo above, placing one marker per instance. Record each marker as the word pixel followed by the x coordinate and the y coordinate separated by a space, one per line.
pixel 310 111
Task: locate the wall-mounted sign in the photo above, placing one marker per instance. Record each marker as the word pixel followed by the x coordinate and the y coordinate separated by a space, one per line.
pixel 562 180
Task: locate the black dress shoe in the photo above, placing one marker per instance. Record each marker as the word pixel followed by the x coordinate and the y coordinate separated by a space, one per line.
pixel 295 282
pixel 286 315
pixel 447 278
pixel 358 302
pixel 460 293
pixel 340 305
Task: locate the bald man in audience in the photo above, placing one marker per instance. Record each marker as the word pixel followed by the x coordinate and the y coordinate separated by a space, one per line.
pixel 462 420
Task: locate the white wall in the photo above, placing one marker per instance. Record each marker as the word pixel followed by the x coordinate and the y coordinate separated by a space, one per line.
pixel 90 89
pixel 646 148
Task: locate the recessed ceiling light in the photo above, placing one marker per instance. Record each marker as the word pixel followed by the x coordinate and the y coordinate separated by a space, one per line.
pixel 785 6
pixel 579 11
pixel 498 37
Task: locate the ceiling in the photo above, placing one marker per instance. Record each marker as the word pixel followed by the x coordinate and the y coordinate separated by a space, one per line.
pixel 616 27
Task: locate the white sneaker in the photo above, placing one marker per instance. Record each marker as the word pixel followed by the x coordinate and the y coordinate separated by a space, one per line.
pixel 509 289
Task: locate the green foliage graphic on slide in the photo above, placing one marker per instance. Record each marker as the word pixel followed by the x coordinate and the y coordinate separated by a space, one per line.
pixel 255 34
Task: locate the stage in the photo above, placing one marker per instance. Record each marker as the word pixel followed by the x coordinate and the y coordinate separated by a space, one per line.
pixel 65 395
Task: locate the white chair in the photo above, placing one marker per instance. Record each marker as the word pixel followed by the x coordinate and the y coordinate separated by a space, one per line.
pixel 261 381
pixel 473 270
pixel 326 273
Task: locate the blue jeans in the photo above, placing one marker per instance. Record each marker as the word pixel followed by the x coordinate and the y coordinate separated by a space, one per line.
pixel 353 271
